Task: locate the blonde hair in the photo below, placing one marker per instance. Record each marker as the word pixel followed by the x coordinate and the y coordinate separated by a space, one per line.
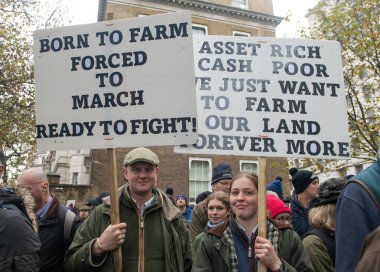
pixel 28 200
pixel 323 217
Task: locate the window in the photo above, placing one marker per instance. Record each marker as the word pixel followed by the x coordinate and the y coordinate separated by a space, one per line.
pixel 199 29
pixel 248 166
pixel 241 34
pixel 75 178
pixel 239 4
pixel 199 176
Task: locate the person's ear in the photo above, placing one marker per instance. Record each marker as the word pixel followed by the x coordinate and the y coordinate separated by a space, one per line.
pixel 45 186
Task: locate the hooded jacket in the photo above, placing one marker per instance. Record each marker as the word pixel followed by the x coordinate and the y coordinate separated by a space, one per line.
pixel 19 243
pixel 156 241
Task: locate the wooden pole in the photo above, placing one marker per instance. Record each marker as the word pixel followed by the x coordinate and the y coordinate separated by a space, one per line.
pixel 115 215
pixel 262 205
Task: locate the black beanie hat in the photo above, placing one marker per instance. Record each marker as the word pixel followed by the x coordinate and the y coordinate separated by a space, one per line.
pixel 301 179
pixel 221 171
pixel 329 191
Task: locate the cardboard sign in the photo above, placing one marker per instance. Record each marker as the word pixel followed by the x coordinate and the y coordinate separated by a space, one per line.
pixel 113 84
pixel 269 97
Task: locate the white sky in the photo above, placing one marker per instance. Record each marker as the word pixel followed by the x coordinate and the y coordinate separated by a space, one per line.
pixel 86 11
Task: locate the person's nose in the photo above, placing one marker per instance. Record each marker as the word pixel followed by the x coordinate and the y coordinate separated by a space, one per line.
pixel 240 196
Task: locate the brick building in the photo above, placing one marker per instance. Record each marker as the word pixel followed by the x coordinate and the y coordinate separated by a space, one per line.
pixel 188 174
pixel 191 174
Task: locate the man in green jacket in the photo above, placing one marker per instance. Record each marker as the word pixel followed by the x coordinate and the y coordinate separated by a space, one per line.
pixel 153 235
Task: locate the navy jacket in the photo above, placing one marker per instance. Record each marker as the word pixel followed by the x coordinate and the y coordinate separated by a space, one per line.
pixel 19 243
pixel 300 221
pixel 51 232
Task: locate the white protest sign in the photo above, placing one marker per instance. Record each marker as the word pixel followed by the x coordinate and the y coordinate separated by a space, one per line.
pixel 113 84
pixel 269 97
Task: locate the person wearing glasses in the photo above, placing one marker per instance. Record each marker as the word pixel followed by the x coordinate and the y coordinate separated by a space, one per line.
pixel 306 188
pixel 235 244
pixel 319 241
pixel 278 212
pixel 220 181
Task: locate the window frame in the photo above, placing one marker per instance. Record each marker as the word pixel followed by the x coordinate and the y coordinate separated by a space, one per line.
pixel 239 4
pixel 209 160
pixel 241 33
pixel 251 162
pixel 199 26
pixel 75 178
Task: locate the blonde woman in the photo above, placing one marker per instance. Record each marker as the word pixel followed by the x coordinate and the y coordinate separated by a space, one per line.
pixel 319 242
pixel 235 246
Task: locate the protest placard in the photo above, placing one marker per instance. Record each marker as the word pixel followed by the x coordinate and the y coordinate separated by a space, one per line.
pixel 269 97
pixel 121 83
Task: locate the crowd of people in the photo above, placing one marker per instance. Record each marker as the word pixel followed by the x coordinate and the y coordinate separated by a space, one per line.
pixel 330 225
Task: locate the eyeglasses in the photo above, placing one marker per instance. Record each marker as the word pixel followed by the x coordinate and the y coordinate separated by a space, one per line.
pixel 283 219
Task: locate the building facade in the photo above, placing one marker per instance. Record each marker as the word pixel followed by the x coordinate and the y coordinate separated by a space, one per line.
pixel 188 174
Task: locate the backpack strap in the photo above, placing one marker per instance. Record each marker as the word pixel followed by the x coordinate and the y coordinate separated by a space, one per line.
pixel 371 188
pixel 69 219
pixel 328 240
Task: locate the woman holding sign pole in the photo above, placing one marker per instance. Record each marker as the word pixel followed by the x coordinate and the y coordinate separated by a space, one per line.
pixel 235 246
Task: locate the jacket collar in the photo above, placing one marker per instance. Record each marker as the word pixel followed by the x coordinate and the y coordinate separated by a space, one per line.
pixel 170 211
pixel 218 230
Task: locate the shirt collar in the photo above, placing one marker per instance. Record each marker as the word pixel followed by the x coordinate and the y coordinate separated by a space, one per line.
pixel 250 237
pixel 144 206
pixel 41 213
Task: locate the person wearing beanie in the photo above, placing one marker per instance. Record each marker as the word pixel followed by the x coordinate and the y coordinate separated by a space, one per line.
pixel 169 192
pixel 319 241
pixel 202 196
pixel 236 246
pixel 276 186
pixel 220 181
pixel 183 205
pixel 306 188
pixel 278 212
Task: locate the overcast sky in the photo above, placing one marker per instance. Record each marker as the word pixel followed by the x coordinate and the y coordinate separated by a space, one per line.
pixel 296 8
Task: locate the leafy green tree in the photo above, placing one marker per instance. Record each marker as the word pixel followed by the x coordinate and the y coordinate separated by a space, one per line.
pixel 18 19
pixel 356 25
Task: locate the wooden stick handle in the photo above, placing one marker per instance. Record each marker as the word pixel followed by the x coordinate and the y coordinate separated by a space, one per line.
pixel 115 214
pixel 262 205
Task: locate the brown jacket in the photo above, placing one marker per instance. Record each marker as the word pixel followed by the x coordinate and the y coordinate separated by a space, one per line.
pixel 199 219
pixel 370 255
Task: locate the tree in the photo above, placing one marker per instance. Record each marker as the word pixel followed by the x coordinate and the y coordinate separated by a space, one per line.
pixel 355 25
pixel 18 18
